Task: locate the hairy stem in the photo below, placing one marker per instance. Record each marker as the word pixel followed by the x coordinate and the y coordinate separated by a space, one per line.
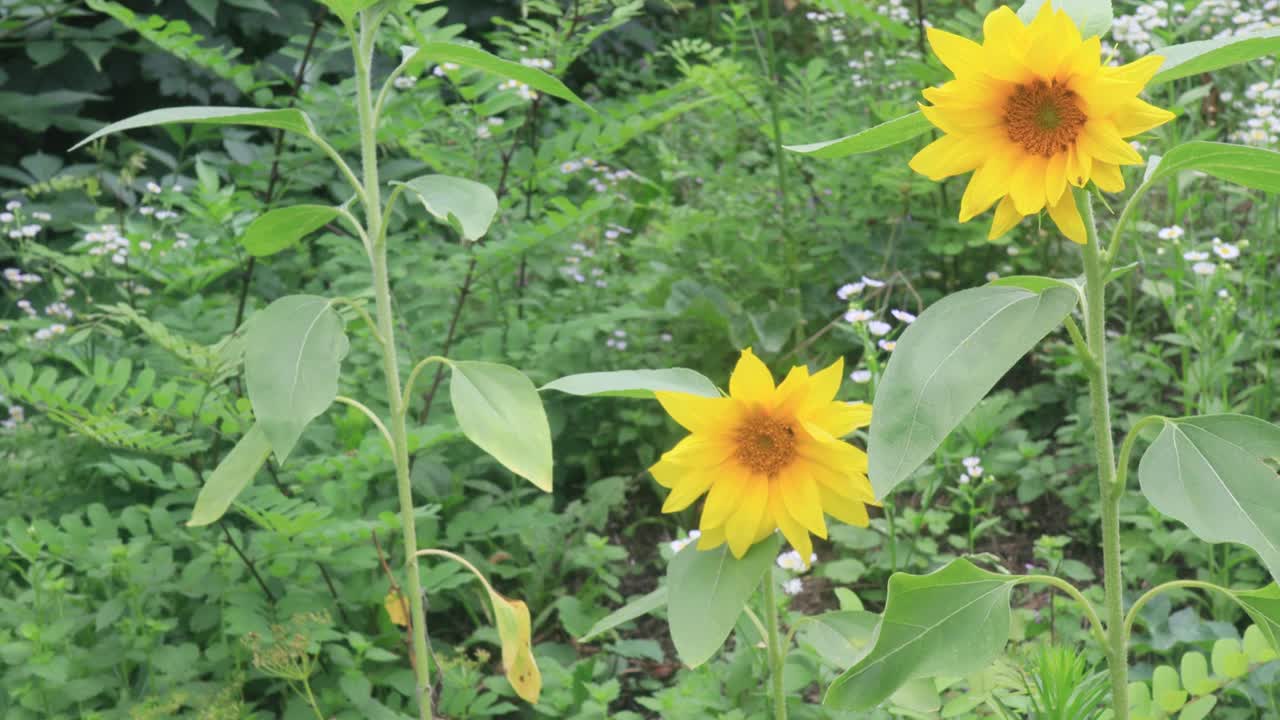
pixel 1104 446
pixel 362 46
pixel 776 652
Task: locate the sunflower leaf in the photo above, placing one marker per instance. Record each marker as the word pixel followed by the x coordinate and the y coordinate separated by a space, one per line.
pixel 953 621
pixel 635 383
pixel 1210 473
pixel 887 134
pixel 499 410
pixel 946 362
pixel 706 592
pixel 466 205
pixel 638 607
pixel 1202 56
pixel 1093 17
pixel 285 119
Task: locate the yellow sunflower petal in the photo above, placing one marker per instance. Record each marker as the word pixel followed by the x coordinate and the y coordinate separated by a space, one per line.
pixel 740 527
pixel 690 487
pixel 1079 165
pixel 791 529
pixel 1027 185
pixel 1102 141
pixel 723 499
pixel 1055 177
pixel 668 473
pixel 843 509
pixel 1067 217
pixel 960 54
pixel 854 486
pixel 1139 72
pixel 948 155
pixel 751 380
pixel 823 386
pixel 988 184
pixel 1137 116
pixel 1084 63
pixel 838 419
pixel 699 451
pixel 1007 216
pixel 800 497
pixel 1108 177
pixel 711 538
pixel 696 413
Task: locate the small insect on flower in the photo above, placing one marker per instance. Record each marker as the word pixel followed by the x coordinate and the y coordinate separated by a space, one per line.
pixel 767 457
pixel 1032 110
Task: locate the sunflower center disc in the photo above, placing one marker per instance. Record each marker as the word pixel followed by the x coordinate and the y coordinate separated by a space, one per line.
pixel 1044 118
pixel 765 444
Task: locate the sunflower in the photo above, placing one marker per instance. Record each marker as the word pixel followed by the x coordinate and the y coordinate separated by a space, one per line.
pixel 767 457
pixel 1032 109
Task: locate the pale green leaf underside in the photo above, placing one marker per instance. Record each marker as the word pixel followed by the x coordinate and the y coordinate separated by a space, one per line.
pixel 706 591
pixel 467 205
pixel 288 119
pixel 1093 17
pixel 953 621
pixel 881 136
pixel 1209 473
pixel 635 383
pixel 293 354
pixel 279 229
pixel 1202 56
pixel 232 476
pixel 499 410
pixel 945 363
pixel 1252 167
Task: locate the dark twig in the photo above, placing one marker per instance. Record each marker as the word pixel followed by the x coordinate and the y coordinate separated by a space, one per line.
pixel 269 195
pixel 247 562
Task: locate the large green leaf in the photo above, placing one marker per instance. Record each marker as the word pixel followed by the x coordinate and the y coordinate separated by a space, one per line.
pixel 466 205
pixel 293 353
pixel 888 134
pixel 1209 472
pixel 471 56
pixel 638 607
pixel 635 383
pixel 278 229
pixel 953 621
pixel 288 119
pixel 1252 167
pixel 499 410
pixel 346 9
pixel 232 475
pixel 1093 17
pixel 706 592
pixel 945 362
pixel 840 638
pixel 1204 56
pixel 1263 606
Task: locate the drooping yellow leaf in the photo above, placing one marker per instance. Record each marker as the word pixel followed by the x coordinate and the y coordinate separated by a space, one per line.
pixel 395 604
pixel 516 631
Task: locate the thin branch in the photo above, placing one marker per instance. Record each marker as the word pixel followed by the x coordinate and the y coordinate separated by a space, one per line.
pixel 247 562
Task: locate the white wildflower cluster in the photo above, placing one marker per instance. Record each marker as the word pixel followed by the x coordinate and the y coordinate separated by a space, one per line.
pixel 107 241
pixel 585 263
pixel 617 340
pixel 895 10
pixel 48 333
pixel 680 543
pixel 858 315
pixel 524 91
pixel 21 280
pixel 59 309
pixel 794 586
pixel 444 69
pixel 536 63
pixel 13 223
pixel 484 130
pixel 791 560
pixel 1172 233
pixel 862 377
pixel 133 287
pixel 1150 22
pixel 405 82
pixel 1199 259
pixel 603 177
pixel 972 469
pixel 1262 126
pixel 25 306
pixel 17 416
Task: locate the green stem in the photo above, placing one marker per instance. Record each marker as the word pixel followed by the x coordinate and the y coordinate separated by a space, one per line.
pixel 776 652
pixel 1095 623
pixel 771 96
pixel 1126 449
pixel 1104 445
pixel 1149 595
pixel 362 47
